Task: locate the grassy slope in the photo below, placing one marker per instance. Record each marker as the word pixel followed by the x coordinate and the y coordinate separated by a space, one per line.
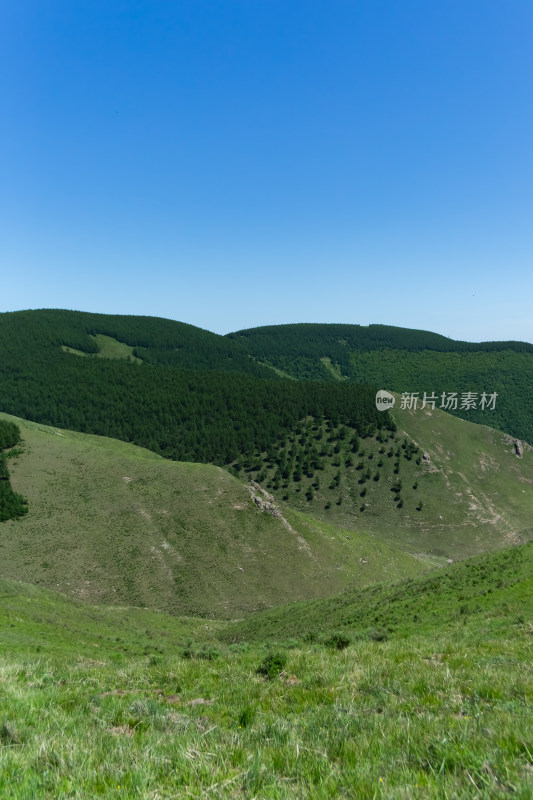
pixel 479 487
pixel 494 581
pixel 112 523
pixel 477 495
pixel 33 619
pixel 108 347
pixel 94 708
pixel 109 522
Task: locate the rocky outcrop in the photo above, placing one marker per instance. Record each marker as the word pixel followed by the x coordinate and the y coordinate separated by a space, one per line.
pixel 265 502
pixel 259 488
pixel 519 447
pixel 266 505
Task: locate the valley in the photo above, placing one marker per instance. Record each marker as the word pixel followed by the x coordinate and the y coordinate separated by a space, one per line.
pixel 225 573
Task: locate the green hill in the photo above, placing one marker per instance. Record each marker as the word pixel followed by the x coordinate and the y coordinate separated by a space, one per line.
pixel 488 584
pixel 184 393
pixel 112 523
pixel 192 395
pixel 109 522
pixel 404 360
pixel 278 627
pixel 151 340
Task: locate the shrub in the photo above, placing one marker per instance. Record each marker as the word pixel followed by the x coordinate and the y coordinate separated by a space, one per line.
pixel 338 641
pixel 272 665
pixel 246 717
pixel 205 653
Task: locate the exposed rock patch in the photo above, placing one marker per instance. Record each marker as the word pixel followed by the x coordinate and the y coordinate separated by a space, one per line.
pixel 519 446
pixel 262 491
pixel 265 502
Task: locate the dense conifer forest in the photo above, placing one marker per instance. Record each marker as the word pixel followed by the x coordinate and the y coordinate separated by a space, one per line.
pixel 202 414
pixel 154 340
pixel 189 394
pixel 404 360
pixel 12 505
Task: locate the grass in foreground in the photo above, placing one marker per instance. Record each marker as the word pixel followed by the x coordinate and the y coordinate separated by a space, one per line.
pixel 444 716
pixel 437 711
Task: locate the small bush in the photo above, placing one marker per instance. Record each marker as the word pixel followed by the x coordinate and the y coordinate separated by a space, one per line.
pixel 272 665
pixel 9 734
pixel 338 641
pixel 205 653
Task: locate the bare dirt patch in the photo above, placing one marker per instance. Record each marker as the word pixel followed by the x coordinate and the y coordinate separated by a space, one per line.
pixel 122 730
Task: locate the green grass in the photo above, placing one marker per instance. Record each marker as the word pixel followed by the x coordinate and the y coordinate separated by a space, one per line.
pixel 333 369
pixel 34 620
pixel 108 347
pixel 443 711
pixel 474 488
pixel 112 523
pixel 494 582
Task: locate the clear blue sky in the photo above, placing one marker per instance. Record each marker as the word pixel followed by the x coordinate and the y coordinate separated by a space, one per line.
pixel 235 163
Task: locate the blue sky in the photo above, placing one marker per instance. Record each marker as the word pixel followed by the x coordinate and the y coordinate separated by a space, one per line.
pixel 250 162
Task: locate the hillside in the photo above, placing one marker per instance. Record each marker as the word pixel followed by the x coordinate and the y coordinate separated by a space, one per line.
pixel 109 522
pixel 184 393
pixel 435 485
pixel 189 394
pixel 150 340
pixel 404 360
pixel 488 584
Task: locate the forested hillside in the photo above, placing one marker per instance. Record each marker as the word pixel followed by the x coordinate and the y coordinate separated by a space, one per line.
pixel 152 339
pixel 213 413
pixel 12 505
pixel 404 360
pixel 192 395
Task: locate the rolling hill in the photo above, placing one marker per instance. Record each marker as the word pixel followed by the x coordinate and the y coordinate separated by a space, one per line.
pixel 361 495
pixel 435 485
pixel 184 393
pixel 404 360
pixel 109 522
